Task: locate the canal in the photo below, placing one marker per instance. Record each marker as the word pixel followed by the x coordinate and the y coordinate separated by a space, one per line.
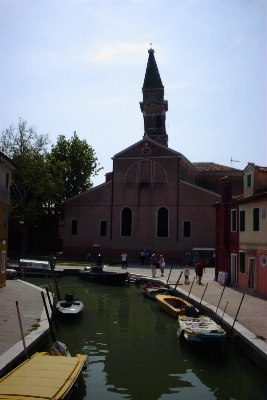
pixel 134 353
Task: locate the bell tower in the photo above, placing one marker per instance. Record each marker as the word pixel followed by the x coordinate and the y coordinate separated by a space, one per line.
pixel 154 106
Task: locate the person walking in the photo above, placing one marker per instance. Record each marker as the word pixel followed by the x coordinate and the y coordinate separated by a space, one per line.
pixel 124 260
pixel 199 267
pixel 161 264
pixel 153 264
pixel 186 274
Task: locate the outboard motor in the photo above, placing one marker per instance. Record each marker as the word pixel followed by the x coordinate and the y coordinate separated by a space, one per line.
pixel 69 297
pixel 191 311
pixel 59 349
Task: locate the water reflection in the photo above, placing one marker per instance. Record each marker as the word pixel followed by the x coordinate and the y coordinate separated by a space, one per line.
pixel 134 352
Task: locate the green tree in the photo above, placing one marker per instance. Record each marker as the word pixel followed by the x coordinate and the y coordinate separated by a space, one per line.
pixel 75 162
pixel 30 187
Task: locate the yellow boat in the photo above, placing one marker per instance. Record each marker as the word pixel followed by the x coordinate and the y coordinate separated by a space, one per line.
pixel 42 377
pixel 175 305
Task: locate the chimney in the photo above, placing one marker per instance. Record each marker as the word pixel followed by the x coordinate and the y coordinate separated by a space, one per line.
pixel 226 188
pixel 109 176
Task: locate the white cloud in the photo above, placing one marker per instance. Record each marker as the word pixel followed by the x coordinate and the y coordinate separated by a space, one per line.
pixel 124 53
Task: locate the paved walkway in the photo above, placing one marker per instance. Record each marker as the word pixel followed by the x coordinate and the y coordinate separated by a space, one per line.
pixel 251 322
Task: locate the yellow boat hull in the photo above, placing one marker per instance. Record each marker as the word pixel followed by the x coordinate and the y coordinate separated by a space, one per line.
pixel 172 305
pixel 42 377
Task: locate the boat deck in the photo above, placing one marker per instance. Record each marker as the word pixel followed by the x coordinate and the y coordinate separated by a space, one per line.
pixel 42 377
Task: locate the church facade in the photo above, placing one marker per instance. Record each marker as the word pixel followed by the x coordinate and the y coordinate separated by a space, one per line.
pixel 154 199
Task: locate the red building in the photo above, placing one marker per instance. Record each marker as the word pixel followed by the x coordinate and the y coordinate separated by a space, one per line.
pixel 154 199
pixel 241 233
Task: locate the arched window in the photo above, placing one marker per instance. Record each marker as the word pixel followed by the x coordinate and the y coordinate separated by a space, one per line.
pixel 126 222
pixel 163 222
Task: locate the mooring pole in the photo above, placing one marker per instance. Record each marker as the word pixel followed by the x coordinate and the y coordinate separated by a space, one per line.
pixel 220 300
pixel 203 293
pixel 224 311
pixel 52 265
pixel 52 308
pixel 48 318
pixel 237 312
pixel 21 330
pixel 169 275
pixel 178 281
pixel 191 286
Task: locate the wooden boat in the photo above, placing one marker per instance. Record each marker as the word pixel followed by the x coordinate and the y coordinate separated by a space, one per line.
pixel 151 292
pixel 200 330
pixel 34 268
pixel 69 306
pixel 42 377
pixel 175 305
pixel 99 275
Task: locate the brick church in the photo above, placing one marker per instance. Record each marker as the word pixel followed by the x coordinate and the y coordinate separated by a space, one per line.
pixel 154 199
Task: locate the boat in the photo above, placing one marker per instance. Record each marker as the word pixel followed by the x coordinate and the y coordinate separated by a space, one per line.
pixel 99 275
pixel 150 291
pixel 35 268
pixel 42 377
pixel 175 305
pixel 69 306
pixel 201 330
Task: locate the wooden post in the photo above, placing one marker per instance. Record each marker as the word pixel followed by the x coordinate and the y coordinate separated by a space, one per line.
pixel 178 281
pixel 21 330
pixel 52 308
pixel 237 312
pixel 52 265
pixel 203 293
pixel 169 275
pixel 224 310
pixel 220 300
pixel 191 286
pixel 48 317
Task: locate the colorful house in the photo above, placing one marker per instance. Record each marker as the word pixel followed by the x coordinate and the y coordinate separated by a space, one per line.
pixel 154 199
pixel 241 233
pixel 6 168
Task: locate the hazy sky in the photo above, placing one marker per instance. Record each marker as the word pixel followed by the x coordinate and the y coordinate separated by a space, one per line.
pixel 79 65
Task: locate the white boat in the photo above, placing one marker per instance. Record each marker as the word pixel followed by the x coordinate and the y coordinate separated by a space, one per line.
pixel 201 330
pixel 34 267
pixel 69 306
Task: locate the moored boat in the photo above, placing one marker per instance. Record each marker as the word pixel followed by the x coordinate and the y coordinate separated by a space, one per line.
pixel 175 305
pixel 99 275
pixel 201 330
pixel 69 306
pixel 151 292
pixel 34 267
pixel 42 377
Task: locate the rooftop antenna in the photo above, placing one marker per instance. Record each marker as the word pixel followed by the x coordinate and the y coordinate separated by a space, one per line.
pixel 233 161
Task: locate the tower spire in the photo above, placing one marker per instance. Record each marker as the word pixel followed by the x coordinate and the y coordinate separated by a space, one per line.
pixel 154 106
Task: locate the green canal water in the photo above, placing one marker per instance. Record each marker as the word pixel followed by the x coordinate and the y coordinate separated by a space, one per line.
pixel 134 352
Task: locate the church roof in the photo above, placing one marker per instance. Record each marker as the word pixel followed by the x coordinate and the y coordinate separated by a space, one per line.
pixel 152 76
pixel 213 167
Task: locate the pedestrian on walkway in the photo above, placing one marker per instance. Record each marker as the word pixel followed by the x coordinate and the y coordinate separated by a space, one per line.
pixel 186 274
pixel 153 265
pixel 199 267
pixel 124 260
pixel 161 264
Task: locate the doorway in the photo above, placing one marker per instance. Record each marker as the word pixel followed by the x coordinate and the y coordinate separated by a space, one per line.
pixel 251 273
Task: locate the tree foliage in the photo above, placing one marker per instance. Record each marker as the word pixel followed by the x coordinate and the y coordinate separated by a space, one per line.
pixel 74 160
pixel 42 179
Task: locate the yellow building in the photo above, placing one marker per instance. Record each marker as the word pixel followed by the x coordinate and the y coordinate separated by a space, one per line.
pixel 6 168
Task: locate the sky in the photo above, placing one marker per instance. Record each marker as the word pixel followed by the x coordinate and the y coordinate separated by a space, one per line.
pixel 79 65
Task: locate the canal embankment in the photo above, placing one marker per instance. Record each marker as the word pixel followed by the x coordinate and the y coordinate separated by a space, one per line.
pixel 244 317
